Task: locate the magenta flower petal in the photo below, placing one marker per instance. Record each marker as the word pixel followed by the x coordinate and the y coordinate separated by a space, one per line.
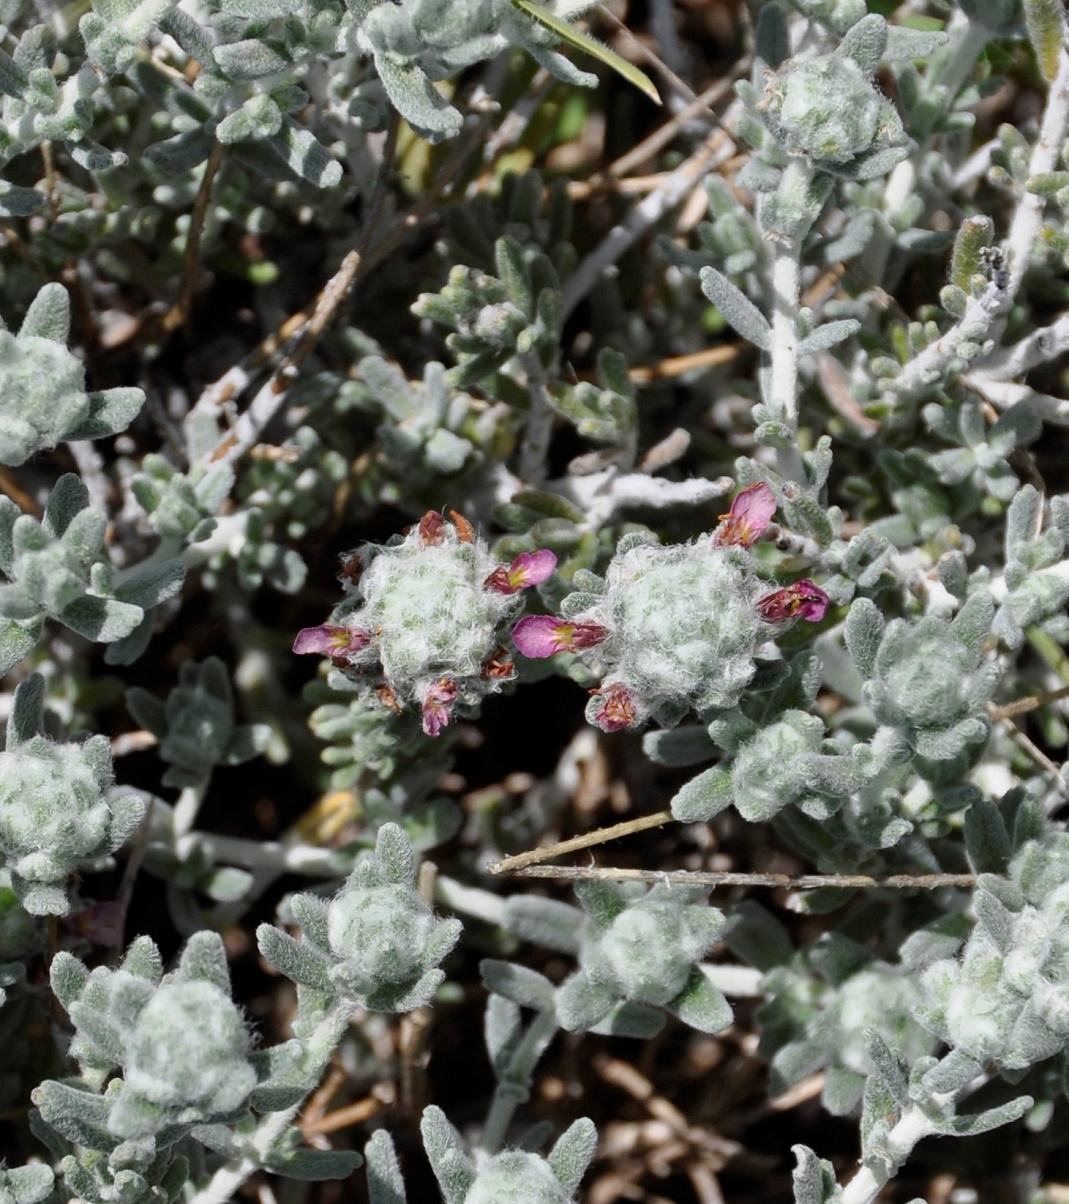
pixel 617 710
pixel 802 600
pixel 438 704
pixel 529 568
pixel 331 640
pixel 539 636
pixel 748 518
pixel 536 636
pixel 532 568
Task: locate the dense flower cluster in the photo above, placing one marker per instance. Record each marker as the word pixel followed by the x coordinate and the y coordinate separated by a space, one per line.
pixel 675 627
pixel 424 621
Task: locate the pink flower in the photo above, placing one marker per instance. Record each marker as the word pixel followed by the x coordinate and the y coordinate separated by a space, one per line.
pixel 529 568
pixel 617 710
pixel 437 703
pixel 802 600
pixel 749 516
pixel 539 636
pixel 331 640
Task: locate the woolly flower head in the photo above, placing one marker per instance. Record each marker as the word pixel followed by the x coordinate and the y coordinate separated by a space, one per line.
pixel 58 808
pixel 675 628
pixel 424 623
pixel 1004 999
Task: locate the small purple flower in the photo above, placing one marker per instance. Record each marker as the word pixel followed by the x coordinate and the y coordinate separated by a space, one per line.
pixel 617 710
pixel 330 640
pixel 529 568
pixel 538 636
pixel 748 518
pixel 802 600
pixel 437 705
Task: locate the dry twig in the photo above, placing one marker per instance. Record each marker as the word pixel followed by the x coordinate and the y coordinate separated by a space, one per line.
pixel 716 878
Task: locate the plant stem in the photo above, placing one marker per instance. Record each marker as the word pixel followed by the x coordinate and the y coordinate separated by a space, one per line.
pixel 781 390
pixel 1023 237
pixel 539 426
pixel 269 855
pixel 786 299
pixel 725 878
pixel 179 313
pixel 469 900
pixel 865 1186
pixel 509 864
pixel 510 1092
pixel 675 187
pixel 185 810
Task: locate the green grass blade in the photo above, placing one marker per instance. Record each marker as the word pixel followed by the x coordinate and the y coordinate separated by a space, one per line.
pixel 583 41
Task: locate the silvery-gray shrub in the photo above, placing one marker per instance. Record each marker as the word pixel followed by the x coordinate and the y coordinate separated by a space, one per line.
pixel 837 679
